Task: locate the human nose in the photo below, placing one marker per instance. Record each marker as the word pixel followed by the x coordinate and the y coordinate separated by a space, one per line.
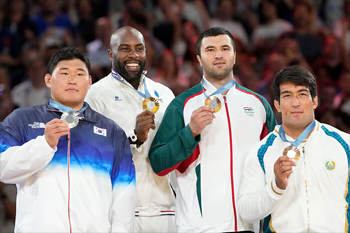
pixel 72 79
pixel 295 101
pixel 218 54
pixel 133 54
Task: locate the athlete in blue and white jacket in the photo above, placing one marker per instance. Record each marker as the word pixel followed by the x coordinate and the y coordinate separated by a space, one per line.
pixel 85 183
pixel 306 193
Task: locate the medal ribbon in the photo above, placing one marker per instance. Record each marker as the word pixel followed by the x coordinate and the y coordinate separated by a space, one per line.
pixel 121 79
pixel 301 137
pixel 224 88
pixel 63 108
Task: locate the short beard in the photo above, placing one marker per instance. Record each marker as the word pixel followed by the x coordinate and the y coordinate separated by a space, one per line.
pixel 130 77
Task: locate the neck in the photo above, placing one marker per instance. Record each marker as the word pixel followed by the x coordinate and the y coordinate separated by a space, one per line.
pixel 219 83
pixel 73 106
pixel 295 132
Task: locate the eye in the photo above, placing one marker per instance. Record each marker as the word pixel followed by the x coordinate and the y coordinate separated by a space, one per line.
pixel 80 75
pixel 226 49
pixel 124 49
pixel 140 49
pixel 210 50
pixel 64 73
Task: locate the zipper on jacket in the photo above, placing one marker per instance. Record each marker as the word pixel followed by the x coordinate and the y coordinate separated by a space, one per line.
pixel 231 162
pixel 307 195
pixel 68 163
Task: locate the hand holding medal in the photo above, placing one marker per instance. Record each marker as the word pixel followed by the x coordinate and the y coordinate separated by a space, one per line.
pixel 213 101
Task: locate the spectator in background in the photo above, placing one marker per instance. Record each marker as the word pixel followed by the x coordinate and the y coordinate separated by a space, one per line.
pixel 223 17
pixel 333 58
pixel 7 207
pixel 306 32
pixel 342 99
pixel 265 35
pixel 17 20
pixel 33 91
pixel 6 104
pixel 97 49
pixel 50 19
pixel 86 20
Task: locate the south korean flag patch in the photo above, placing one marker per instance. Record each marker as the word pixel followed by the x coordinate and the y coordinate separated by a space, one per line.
pixel 100 131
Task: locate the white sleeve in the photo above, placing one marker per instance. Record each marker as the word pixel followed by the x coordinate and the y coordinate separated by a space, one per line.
pixel 258 197
pixel 18 163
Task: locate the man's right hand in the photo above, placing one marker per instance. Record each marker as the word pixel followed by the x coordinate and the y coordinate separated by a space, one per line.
pixel 200 118
pixel 54 130
pixel 283 168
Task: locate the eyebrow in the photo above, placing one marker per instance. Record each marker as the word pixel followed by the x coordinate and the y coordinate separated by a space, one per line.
pixel 211 46
pixel 301 90
pixel 128 45
pixel 65 68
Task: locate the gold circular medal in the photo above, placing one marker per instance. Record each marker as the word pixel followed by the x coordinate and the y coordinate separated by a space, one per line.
pixel 292 152
pixel 71 118
pixel 213 102
pixel 150 104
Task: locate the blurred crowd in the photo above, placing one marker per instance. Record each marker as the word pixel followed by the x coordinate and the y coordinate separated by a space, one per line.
pixel 270 35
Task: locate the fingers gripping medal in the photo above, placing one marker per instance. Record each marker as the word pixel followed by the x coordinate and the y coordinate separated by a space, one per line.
pixel 213 102
pixel 292 152
pixel 71 118
pixel 150 104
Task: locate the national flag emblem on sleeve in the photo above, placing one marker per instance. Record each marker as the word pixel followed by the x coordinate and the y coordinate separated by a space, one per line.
pixel 100 131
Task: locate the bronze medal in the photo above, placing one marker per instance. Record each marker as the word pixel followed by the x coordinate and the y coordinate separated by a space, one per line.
pixel 292 152
pixel 213 102
pixel 71 118
pixel 151 104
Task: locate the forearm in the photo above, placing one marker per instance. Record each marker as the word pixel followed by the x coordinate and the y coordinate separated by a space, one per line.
pixel 166 155
pixel 257 205
pixel 18 163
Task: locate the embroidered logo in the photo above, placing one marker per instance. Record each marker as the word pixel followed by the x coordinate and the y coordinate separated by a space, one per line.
pixel 117 98
pixel 100 131
pixel 37 125
pixel 330 165
pixel 249 111
pixel 157 95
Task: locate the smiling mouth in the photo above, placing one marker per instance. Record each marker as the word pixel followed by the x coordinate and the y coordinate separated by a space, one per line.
pixel 133 66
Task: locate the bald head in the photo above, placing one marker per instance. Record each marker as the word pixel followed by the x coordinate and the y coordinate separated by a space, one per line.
pixel 125 32
pixel 128 54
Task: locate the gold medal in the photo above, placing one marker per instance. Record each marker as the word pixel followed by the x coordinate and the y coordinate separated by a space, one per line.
pixel 71 118
pixel 150 104
pixel 213 102
pixel 292 152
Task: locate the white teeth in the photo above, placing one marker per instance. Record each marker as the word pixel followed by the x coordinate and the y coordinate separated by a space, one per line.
pixel 132 64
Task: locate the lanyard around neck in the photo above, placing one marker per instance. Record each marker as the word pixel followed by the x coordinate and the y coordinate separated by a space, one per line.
pixel 121 79
pixel 301 137
pixel 222 89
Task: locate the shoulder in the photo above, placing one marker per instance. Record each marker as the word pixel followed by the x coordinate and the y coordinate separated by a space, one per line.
pixel 189 94
pixel 332 131
pixel 158 86
pixel 253 94
pixel 103 121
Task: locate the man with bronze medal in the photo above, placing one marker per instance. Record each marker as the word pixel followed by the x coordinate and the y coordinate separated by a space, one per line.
pixel 205 135
pixel 137 104
pixel 73 167
pixel 297 177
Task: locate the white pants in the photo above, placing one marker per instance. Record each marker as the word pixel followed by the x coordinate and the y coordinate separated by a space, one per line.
pixel 159 224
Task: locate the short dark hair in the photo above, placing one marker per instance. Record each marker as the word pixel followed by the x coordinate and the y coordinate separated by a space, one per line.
pixel 67 53
pixel 215 31
pixel 297 75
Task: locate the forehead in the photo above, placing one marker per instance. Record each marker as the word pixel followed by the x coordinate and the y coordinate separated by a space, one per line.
pixel 74 64
pixel 290 86
pixel 127 38
pixel 216 41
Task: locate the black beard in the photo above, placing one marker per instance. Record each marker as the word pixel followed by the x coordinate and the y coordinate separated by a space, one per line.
pixel 130 77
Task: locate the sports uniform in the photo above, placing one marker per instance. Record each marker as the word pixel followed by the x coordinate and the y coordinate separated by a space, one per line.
pixel 91 190
pixel 117 100
pixel 316 198
pixel 208 167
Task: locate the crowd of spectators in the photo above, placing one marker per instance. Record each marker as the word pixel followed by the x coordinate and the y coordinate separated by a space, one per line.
pixel 270 35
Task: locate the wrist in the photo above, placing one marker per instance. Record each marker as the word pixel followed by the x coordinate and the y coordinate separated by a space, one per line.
pixel 133 139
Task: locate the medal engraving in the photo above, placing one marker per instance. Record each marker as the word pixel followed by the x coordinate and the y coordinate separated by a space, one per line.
pixel 70 118
pixel 213 102
pixel 150 104
pixel 292 152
